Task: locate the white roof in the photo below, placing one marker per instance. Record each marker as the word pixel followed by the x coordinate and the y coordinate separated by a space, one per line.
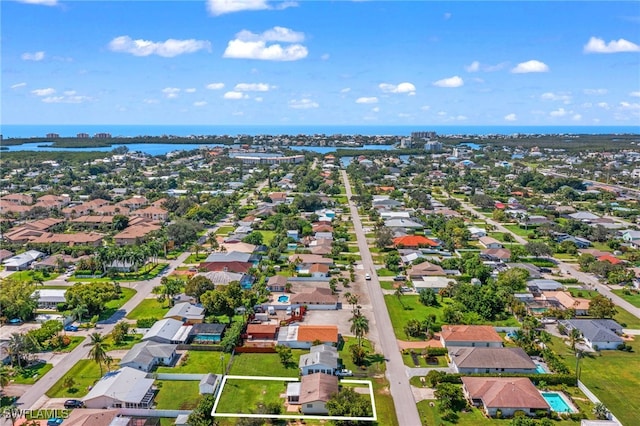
pixel 432 282
pixel 168 329
pixel 126 385
pixel 185 310
pixel 50 295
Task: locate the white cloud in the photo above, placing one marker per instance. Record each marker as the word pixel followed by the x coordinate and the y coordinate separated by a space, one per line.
pixel 425 107
pixel 252 87
pixel 635 94
pixel 628 105
pixel 530 66
pixel 560 112
pixel 40 2
pixel 151 101
pixel 461 117
pixel 597 45
pixel 325 57
pixel 18 85
pixel 447 16
pixel 282 34
pixel 67 99
pixel 345 90
pixel 238 113
pixel 375 109
pixel 167 49
pixel 560 96
pixel 595 91
pixel 510 117
pixel 190 90
pixel 367 100
pixel 399 88
pixel 171 92
pixel 454 81
pixel 35 56
pixel 603 105
pixel 44 92
pixel 576 117
pixel 215 86
pixel 248 45
pixel 220 7
pixel 235 95
pixel 200 103
pixel 258 99
pixel 473 67
pixel 303 104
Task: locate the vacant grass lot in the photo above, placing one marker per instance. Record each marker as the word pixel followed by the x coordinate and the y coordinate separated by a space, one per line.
pixel 409 307
pixel 267 237
pixel 85 373
pixel 177 394
pixel 633 298
pixel 613 376
pixel 199 362
pixel 30 375
pixel 374 363
pixel 243 396
pixel 112 306
pixel 264 365
pixel 127 343
pixel 224 230
pixel 148 308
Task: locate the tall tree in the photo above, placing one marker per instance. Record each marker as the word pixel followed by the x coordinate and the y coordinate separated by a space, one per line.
pixel 359 326
pixel 602 307
pixel 98 352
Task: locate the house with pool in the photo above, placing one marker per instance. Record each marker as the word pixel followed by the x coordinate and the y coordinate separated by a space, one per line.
pixel 506 395
pixel 491 361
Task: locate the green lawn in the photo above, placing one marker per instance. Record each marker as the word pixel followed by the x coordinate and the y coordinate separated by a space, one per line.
pixel 633 298
pixel 519 231
pixel 224 230
pixel 198 362
pixel 384 403
pixel 243 396
pixel 374 363
pixel 127 343
pixel 408 361
pixel 267 237
pixel 112 306
pixel 75 341
pixel 148 308
pixel 177 394
pixel 30 375
pixel 613 376
pixel 264 365
pixel 384 272
pixel 85 373
pixel 33 275
pixel 193 259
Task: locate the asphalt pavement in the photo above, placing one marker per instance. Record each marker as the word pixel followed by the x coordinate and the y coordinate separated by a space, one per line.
pixel 403 399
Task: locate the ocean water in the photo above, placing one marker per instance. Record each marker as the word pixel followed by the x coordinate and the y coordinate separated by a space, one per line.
pixel 40 130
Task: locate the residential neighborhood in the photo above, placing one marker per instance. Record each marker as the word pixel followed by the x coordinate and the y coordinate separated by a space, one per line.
pixel 464 282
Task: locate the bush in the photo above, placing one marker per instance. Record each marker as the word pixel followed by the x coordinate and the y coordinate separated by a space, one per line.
pixel 146 322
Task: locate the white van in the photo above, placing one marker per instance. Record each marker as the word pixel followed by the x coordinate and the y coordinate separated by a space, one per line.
pixel 271 310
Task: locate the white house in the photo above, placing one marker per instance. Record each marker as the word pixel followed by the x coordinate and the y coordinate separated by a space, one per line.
pixel 208 384
pixel 490 243
pixel 146 355
pixel 22 261
pixel 168 330
pixel 123 388
pixel 477 232
pixel 598 334
pixel 49 298
pixel 320 359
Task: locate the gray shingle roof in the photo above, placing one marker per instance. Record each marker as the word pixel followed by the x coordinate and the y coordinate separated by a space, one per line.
pixel 596 330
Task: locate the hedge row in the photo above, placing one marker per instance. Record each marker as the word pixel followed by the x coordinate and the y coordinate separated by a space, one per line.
pixel 550 379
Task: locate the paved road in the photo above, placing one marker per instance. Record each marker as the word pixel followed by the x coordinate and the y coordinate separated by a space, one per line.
pixel 566 268
pixel 34 397
pixel 403 399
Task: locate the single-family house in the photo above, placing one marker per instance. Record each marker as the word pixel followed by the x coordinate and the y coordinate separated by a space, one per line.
pixel 302 336
pixel 497 254
pixel 277 283
pixel 168 330
pixel 146 355
pixel 540 285
pixel 5 254
pixel 313 392
pixel 403 223
pixel 320 359
pixel 476 232
pixel 583 216
pixel 432 283
pixel 123 388
pixel 473 360
pixel 425 269
pixel 22 261
pixel 598 334
pixel 318 270
pixel 262 331
pixel 504 394
pixel 470 336
pixel 186 312
pixel 490 243
pixel 48 298
pixel 564 300
pixel 317 298
pixel 293 234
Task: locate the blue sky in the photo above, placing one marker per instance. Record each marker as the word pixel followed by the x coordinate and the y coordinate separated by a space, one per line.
pixel 320 62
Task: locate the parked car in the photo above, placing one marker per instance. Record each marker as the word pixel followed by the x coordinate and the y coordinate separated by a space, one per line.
pixel 344 373
pixel 70 328
pixel 367 277
pixel 54 421
pixel 73 403
pixel 406 289
pixel 15 321
pixel 400 278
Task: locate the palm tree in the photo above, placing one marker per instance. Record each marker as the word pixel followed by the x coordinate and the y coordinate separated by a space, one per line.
pixel 359 326
pixel 17 348
pixel 398 293
pixel 600 411
pixel 575 337
pixel 98 352
pixel 79 312
pixel 196 248
pixel 4 377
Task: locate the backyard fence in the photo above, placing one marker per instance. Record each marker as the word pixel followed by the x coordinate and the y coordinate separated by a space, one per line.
pixel 595 400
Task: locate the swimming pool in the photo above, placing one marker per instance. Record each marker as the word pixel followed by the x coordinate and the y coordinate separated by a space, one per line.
pixel 540 369
pixel 283 299
pixel 557 402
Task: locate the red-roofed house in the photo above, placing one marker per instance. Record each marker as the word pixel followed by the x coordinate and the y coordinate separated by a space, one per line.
pixel 610 258
pixel 507 394
pixel 484 336
pixel 414 241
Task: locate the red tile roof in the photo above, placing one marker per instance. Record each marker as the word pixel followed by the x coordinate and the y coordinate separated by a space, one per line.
pixel 414 241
